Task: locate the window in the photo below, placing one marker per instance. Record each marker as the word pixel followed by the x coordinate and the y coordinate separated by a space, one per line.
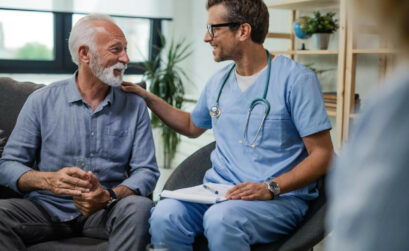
pixel 24 40
pixel 137 33
pixel 37 41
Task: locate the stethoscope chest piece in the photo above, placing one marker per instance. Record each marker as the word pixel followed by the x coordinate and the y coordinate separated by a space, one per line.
pixel 215 111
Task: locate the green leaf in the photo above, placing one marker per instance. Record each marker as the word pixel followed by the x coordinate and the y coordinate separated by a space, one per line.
pixel 167 80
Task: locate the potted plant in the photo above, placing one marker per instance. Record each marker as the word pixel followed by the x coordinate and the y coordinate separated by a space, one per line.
pixel 320 27
pixel 166 81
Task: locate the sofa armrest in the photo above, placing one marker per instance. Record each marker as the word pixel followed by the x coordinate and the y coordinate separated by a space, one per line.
pixel 7 193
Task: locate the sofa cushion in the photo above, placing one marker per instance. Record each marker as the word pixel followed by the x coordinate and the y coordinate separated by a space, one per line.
pixel 13 95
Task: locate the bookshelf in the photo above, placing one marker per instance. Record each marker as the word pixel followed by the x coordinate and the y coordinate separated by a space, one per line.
pixel 344 102
pixel 335 108
pixel 385 56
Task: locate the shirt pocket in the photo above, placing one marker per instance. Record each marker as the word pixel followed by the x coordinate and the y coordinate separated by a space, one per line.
pixel 116 144
pixel 274 137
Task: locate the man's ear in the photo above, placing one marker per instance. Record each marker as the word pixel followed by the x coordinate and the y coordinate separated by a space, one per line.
pixel 84 54
pixel 244 31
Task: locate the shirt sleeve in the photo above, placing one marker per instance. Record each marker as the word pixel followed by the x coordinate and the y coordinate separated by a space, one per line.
pixel 143 171
pixel 200 115
pixel 306 105
pixel 22 146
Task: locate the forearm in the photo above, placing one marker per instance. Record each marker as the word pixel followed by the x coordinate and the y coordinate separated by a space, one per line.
pixel 176 119
pixel 122 192
pixel 306 172
pixel 33 180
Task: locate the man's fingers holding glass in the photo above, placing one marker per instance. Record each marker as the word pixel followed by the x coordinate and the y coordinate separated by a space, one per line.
pixel 76 183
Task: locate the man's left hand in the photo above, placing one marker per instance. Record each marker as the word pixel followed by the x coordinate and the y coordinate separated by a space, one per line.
pixel 94 200
pixel 249 191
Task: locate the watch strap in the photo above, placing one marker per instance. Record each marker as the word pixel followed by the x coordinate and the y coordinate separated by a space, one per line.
pixel 112 194
pixel 112 200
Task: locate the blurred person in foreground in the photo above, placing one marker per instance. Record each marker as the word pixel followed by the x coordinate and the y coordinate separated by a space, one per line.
pixel 88 118
pixel 369 209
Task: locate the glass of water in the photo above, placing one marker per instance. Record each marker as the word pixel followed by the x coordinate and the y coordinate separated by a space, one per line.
pixel 157 247
pixel 83 163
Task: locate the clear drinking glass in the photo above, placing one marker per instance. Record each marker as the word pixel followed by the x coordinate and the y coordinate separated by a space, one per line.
pixel 83 163
pixel 157 247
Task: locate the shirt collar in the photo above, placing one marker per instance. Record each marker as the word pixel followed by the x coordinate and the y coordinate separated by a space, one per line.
pixel 73 94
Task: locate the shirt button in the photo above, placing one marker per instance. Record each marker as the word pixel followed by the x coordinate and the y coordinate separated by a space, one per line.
pixel 92 133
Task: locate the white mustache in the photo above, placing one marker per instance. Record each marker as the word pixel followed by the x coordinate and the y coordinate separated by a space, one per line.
pixel 119 66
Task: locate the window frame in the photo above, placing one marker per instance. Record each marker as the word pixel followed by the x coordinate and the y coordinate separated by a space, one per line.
pixel 62 63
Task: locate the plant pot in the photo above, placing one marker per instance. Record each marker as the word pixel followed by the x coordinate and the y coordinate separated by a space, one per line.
pixel 320 41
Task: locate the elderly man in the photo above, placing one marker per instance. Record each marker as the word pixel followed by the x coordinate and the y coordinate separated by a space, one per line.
pixel 81 152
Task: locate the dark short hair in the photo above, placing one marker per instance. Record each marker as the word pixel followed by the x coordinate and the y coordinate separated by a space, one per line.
pixel 253 12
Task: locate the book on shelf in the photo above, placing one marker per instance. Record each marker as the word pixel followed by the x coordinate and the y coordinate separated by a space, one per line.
pixel 329 95
pixel 330 101
pixel 331 105
pixel 333 96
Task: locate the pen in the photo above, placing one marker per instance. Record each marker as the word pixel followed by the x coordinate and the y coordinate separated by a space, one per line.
pixel 210 189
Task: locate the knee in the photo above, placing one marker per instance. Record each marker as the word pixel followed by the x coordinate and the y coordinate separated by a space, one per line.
pixel 219 219
pixel 165 216
pixel 134 206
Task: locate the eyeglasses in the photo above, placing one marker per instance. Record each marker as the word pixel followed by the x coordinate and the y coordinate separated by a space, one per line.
pixel 211 26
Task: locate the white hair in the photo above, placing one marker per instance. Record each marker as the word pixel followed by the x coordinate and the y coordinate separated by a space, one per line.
pixel 83 33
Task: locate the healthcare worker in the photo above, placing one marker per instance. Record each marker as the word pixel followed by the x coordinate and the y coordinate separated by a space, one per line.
pixel 272 138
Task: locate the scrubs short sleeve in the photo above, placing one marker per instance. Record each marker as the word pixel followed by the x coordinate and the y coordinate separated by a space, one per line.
pixel 200 115
pixel 307 106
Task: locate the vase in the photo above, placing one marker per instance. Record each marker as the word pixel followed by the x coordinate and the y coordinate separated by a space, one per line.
pixel 320 41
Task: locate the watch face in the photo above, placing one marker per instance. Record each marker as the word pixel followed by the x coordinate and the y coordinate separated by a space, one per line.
pixel 274 188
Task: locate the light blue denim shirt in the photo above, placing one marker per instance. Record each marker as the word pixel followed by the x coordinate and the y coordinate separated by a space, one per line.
pixel 56 126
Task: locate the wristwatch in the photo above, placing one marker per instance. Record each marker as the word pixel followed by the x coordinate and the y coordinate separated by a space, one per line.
pixel 273 188
pixel 113 198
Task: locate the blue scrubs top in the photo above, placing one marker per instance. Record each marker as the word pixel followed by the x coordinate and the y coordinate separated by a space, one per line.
pixel 297 110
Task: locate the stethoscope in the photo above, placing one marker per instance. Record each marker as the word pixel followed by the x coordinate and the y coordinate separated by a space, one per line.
pixel 215 110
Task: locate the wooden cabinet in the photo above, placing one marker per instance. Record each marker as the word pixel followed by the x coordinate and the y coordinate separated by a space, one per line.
pixel 346 52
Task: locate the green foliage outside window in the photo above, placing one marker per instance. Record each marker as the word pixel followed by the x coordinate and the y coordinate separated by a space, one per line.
pixel 34 51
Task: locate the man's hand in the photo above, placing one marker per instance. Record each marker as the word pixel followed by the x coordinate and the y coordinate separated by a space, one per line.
pixel 249 191
pixel 68 181
pixel 129 87
pixel 90 202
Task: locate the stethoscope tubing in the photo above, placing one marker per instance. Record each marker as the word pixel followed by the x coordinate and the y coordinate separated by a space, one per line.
pixel 215 110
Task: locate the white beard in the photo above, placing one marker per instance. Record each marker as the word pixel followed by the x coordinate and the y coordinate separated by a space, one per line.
pixel 106 75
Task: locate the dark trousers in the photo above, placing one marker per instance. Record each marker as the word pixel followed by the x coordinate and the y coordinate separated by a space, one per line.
pixel 125 225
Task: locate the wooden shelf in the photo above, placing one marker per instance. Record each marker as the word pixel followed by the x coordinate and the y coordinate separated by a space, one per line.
pixel 374 51
pixel 306 52
pixel 303 4
pixel 279 35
